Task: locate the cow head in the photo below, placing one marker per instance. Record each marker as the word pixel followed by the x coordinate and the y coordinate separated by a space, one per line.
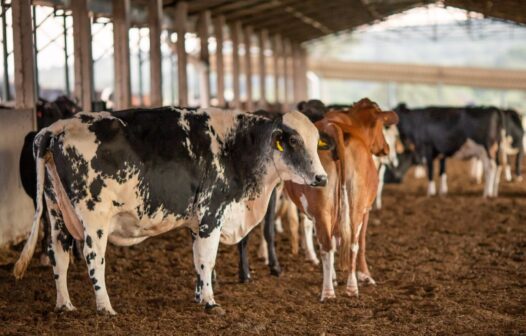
pixel 295 142
pixel 314 109
pixel 365 120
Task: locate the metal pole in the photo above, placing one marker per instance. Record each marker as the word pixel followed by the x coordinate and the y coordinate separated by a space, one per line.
pixel 172 79
pixel 66 67
pixel 7 89
pixel 139 63
pixel 35 47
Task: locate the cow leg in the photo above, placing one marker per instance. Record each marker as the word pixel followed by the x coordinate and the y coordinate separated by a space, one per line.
pixel 381 174
pixel 443 177
pixel 244 270
pixel 327 261
pixel 308 228
pixel 356 224
pixel 270 236
pixel 431 188
pixel 58 252
pixel 263 248
pixel 363 270
pixel 205 253
pixel 294 225
pixel 95 243
pixel 490 168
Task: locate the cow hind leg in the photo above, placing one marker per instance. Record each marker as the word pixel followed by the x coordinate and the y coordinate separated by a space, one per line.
pixel 95 243
pixel 443 177
pixel 356 223
pixel 58 252
pixel 244 269
pixel 364 275
pixel 431 188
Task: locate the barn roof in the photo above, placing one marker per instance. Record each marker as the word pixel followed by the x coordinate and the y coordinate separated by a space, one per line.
pixel 303 20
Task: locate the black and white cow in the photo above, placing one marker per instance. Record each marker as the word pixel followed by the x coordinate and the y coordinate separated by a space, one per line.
pixel 442 132
pixel 129 175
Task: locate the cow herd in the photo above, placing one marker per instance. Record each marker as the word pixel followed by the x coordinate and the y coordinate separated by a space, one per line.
pixel 125 176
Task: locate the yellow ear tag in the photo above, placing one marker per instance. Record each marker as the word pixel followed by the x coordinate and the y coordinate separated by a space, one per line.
pixel 278 146
pixel 321 143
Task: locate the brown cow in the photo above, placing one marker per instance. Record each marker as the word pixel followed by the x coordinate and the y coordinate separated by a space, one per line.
pixel 341 209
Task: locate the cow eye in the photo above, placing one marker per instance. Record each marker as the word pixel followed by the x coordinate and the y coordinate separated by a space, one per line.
pixel 293 141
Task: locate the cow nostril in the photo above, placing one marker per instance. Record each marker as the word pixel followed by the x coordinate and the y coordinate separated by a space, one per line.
pixel 320 180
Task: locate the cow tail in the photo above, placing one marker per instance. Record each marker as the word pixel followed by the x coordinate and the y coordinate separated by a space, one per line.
pixel 343 204
pixel 40 146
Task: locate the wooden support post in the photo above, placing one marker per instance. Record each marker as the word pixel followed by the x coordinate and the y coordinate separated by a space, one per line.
pixel 304 89
pixel 286 74
pixel 181 14
pixel 82 53
pixel 247 37
pixel 203 24
pixel 235 32
pixel 262 42
pixel 155 18
pixel 219 24
pixel 296 73
pixel 25 95
pixel 276 53
pixel 121 54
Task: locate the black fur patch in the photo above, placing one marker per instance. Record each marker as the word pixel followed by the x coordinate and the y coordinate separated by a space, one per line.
pixel 89 243
pixel 99 233
pixel 51 255
pixel 90 257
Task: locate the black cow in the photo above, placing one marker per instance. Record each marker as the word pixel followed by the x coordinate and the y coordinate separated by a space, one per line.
pixel 129 175
pixel 47 113
pixel 513 145
pixel 442 132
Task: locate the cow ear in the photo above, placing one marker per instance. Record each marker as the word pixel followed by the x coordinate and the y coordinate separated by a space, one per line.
pixel 388 118
pixel 277 139
pixel 325 142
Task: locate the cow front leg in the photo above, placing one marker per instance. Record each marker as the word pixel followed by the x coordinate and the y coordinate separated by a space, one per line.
pixel 95 243
pixel 58 252
pixel 270 235
pixel 308 233
pixel 244 269
pixel 431 187
pixel 327 261
pixel 205 248
pixel 443 177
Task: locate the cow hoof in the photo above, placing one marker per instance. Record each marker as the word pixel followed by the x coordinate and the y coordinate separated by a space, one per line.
pixel 214 309
pixel 327 294
pixel 65 308
pixel 352 291
pixel 106 311
pixel 244 280
pixel 44 260
pixel 366 279
pixel 275 271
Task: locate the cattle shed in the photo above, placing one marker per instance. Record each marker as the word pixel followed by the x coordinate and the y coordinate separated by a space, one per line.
pixel 252 54
pixel 275 30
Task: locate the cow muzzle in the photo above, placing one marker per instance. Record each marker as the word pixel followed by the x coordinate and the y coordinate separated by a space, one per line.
pixel 319 181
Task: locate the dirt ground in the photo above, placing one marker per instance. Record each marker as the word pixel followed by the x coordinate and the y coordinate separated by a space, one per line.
pixel 444 266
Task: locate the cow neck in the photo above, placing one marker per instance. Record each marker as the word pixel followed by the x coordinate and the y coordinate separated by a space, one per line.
pixel 250 152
